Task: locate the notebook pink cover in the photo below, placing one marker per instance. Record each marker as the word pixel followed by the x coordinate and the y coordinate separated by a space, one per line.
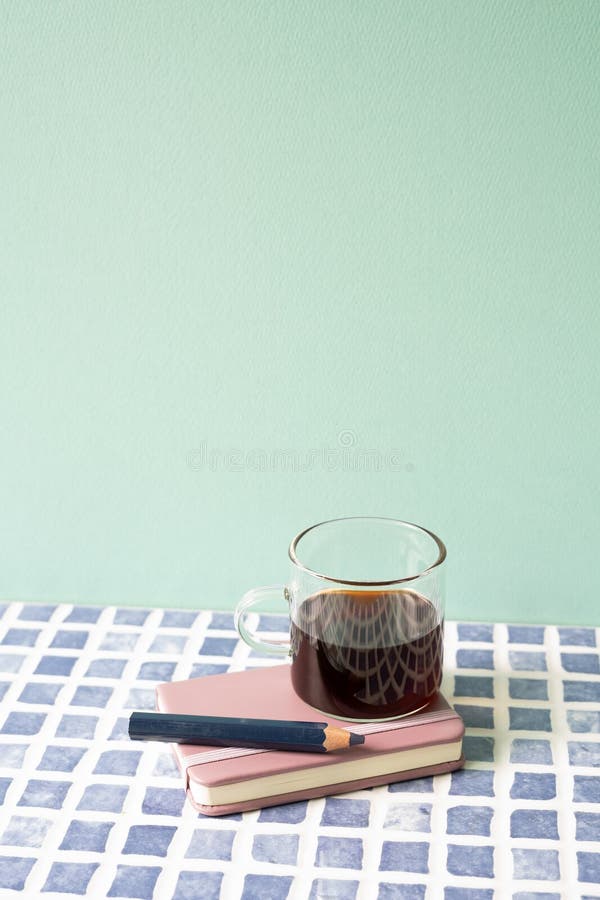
pixel 267 693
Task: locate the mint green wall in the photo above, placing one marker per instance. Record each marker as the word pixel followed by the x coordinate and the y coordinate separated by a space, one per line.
pixel 233 228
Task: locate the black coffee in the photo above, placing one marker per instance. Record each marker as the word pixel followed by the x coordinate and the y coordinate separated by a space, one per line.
pixel 367 654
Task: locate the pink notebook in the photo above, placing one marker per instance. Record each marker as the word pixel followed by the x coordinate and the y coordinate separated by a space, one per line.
pixel 223 780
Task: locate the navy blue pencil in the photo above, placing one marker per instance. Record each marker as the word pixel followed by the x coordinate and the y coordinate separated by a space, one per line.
pixel 226 731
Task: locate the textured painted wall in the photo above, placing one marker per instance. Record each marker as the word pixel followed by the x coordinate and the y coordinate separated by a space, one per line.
pixel 232 229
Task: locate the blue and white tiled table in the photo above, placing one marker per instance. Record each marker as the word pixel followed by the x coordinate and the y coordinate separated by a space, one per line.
pixel 87 812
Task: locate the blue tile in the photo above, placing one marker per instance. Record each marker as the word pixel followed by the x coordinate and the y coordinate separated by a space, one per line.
pixel 412 786
pixel 149 840
pixel 333 889
pixel 527 661
pixel 91 695
pixel 14 872
pixel 118 762
pixel 38 692
pixel 81 835
pixel 405 856
pixel 408 817
pixel 536 895
pixel 588 867
pixel 77 726
pixel 173 644
pixel 193 885
pixel 274 624
pixel 141 698
pixel 478 749
pixel 207 843
pixel 339 852
pixel 36 612
pixel 61 759
pixel 535 865
pixel 469 820
pixel 120 731
pixel 528 688
pixel 55 665
pixel 175 618
pixel 222 621
pixel 106 668
pixel 588 826
pixel 290 813
pixel 255 657
pixel 475 659
pixel 577 637
pixel 266 887
pixel 25 831
pixel 4 686
pixel 475 632
pixel 23 723
pixel 475 862
pixel 120 641
pixel 4 786
pixel 131 616
pixel 475 716
pixel 524 718
pixel 226 817
pixel 586 789
pixel 11 662
pixel 393 891
pixel 587 663
pixel 166 767
pixel 84 615
pixel 584 753
pixel 584 720
pixel 581 691
pixel 103 797
pixel 135 881
pixel 48 794
pixel 70 640
pixel 218 646
pixel 534 823
pixel 199 670
pixel 21 637
pixel 533 786
pixel 462 893
pixel 159 801
pixel 156 671
pixel 69 877
pixel 350 813
pixel 281 849
pixel 472 783
pixel 12 755
pixel 525 634
pixel 526 750
pixel 473 686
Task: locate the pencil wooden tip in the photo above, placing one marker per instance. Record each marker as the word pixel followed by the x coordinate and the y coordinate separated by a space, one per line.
pixel 340 739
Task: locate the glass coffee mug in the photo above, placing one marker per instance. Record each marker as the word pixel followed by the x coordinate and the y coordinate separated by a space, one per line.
pixel 366 606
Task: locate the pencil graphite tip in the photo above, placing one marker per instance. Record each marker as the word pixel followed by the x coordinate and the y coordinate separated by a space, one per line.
pixel 356 738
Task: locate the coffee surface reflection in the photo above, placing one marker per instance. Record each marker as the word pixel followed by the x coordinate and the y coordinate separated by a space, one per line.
pixel 367 654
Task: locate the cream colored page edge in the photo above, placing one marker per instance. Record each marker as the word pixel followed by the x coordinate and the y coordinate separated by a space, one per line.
pixel 401 761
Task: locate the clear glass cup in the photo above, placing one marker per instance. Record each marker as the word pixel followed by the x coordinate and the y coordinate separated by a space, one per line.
pixel 366 606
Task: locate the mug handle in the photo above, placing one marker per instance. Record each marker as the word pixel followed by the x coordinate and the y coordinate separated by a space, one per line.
pixel 250 599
